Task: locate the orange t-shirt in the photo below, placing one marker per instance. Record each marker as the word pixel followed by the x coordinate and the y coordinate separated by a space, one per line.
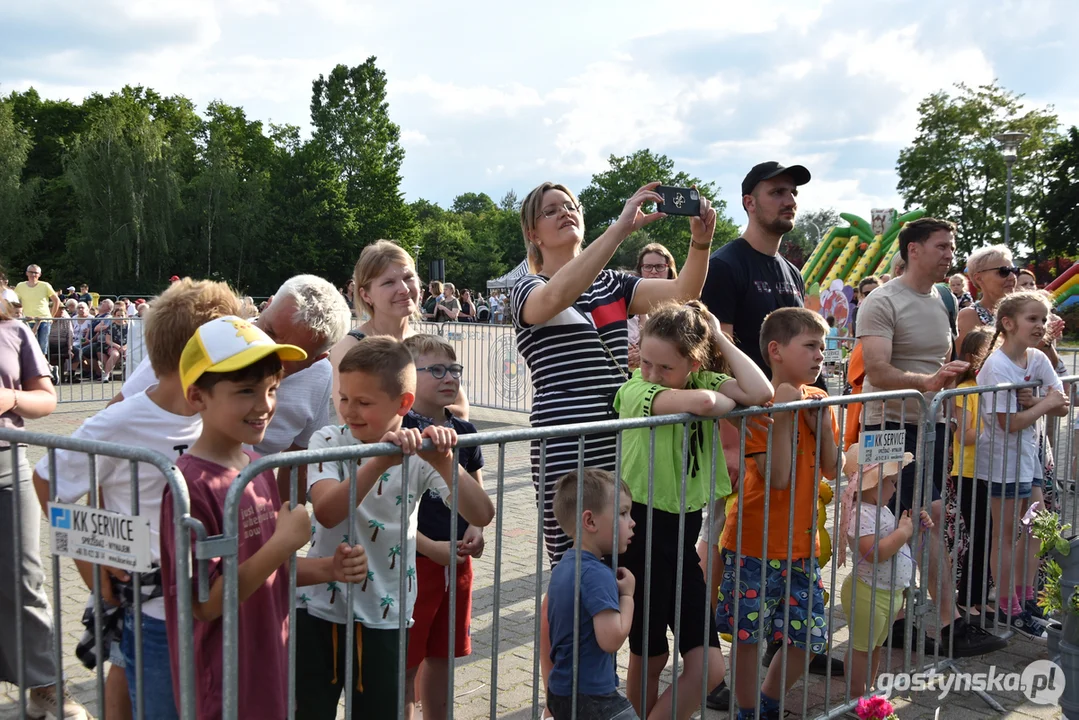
pixel 805 543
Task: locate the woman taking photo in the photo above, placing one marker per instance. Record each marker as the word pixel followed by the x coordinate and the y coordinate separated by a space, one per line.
pixel 387 289
pixel 26 393
pixel 570 300
pixel 654 262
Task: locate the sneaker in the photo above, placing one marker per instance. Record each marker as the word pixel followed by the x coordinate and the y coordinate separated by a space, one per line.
pixel 719 698
pixel 1036 612
pixel 826 665
pixel 1024 624
pixel 43 703
pixel 898 638
pixel 966 640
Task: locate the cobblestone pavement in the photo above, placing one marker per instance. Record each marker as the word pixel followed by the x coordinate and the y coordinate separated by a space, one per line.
pixel 517 592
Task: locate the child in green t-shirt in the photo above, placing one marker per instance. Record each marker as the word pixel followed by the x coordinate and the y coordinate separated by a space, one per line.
pixel 683 352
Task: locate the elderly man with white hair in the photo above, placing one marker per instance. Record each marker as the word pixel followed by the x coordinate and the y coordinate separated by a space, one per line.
pixel 308 312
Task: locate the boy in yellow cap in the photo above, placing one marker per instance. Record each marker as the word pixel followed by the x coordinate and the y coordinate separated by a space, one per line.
pixel 229 371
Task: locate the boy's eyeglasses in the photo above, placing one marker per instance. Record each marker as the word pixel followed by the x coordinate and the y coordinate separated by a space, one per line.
pixel 439 371
pixel 1003 271
pixel 661 267
pixel 550 212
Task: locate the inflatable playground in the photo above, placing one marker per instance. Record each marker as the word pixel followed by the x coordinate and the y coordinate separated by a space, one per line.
pixel 1065 289
pixel 845 255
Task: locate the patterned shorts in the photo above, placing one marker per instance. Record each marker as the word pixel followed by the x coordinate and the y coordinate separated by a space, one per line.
pixel 807 627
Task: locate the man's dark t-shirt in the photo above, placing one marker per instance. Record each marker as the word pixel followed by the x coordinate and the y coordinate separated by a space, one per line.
pixel 743 286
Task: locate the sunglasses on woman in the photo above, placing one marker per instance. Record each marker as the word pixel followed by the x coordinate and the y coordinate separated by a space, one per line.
pixel 439 371
pixel 1004 271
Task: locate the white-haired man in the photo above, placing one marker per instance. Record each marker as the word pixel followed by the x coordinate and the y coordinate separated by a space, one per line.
pixel 308 312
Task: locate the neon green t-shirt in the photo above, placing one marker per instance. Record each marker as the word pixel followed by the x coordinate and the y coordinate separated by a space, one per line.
pixel 634 400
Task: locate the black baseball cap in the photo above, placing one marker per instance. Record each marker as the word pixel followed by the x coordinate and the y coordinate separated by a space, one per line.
pixel 769 170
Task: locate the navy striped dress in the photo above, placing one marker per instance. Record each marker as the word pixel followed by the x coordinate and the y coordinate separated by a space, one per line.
pixel 575 379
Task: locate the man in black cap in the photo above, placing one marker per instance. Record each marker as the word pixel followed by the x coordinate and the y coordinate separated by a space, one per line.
pixel 748 278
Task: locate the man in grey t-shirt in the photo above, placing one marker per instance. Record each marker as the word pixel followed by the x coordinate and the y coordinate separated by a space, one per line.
pixel 907 341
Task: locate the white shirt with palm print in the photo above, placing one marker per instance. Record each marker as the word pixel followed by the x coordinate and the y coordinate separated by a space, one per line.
pixel 376 602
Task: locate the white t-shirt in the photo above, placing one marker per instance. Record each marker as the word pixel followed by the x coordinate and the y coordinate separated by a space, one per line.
pixel 136 342
pixel 882 571
pixel 303 404
pixel 992 440
pixel 137 422
pixel 376 602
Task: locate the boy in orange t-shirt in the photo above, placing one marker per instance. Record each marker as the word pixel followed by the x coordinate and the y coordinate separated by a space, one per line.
pixel 792 342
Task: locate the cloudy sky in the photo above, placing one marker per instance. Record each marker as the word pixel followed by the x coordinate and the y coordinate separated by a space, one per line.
pixel 494 95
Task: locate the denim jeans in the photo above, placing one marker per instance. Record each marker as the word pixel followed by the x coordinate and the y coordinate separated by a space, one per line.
pixel 41 331
pixel 156 668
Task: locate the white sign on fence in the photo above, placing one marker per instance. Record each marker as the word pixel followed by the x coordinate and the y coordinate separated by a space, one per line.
pixel 881 446
pixel 833 356
pixel 100 536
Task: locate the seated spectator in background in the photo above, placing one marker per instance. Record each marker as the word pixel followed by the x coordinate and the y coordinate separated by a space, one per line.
pixel 70 305
pixel 468 308
pixel 82 326
pixel 61 346
pixel 250 311
pixel 961 290
pixel 447 306
pixel 115 342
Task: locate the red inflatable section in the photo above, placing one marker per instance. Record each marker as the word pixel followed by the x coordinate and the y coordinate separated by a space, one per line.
pixel 1063 278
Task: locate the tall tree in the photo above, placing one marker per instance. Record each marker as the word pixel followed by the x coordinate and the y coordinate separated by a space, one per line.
pixel 1061 202
pixel 809 227
pixel 18 225
pixel 955 170
pixel 608 191
pixel 351 121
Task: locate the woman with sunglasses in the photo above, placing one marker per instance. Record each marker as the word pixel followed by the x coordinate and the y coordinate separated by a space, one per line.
pixel 993 273
pixel 570 317
pixel 653 262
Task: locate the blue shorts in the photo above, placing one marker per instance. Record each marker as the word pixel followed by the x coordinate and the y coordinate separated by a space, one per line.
pixel 1010 490
pixel 807 630
pixel 156 668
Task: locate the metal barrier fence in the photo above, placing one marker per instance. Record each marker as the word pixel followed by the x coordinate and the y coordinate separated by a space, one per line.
pixel 923 597
pixel 87 366
pixel 66 520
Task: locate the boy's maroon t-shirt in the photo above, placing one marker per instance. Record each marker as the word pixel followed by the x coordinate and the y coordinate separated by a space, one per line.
pixel 263 631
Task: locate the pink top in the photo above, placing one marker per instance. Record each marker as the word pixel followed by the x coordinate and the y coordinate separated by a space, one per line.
pixel 263 633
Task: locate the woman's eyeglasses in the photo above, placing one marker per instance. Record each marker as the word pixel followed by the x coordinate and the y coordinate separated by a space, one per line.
pixel 661 267
pixel 439 371
pixel 550 212
pixel 1004 270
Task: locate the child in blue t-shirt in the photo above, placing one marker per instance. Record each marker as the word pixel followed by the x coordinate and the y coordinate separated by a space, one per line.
pixel 606 606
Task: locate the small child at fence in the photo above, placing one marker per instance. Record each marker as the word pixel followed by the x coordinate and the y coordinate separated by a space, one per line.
pixel 683 357
pixel 438 380
pixel 973 494
pixel 158 419
pixel 1007 447
pixel 377 389
pixel 606 605
pixel 873 595
pixel 792 343
pixel 230 371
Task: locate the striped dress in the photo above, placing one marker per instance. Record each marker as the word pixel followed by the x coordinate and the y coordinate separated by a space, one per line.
pixel 575 378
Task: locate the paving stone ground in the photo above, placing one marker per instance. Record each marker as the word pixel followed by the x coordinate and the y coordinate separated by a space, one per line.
pixel 512 681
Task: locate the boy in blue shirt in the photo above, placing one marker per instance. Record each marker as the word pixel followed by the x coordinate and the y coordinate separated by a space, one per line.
pixel 606 599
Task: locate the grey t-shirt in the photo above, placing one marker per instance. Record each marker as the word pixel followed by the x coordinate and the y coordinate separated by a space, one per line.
pixel 918 327
pixel 20 360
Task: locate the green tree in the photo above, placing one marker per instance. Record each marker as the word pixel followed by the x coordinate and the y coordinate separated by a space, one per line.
pixel 18 225
pixel 1061 201
pixel 475 203
pixel 351 121
pixel 608 191
pixel 810 226
pixel 954 168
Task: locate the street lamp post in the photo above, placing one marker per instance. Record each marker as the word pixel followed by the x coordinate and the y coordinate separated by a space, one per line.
pixel 1009 148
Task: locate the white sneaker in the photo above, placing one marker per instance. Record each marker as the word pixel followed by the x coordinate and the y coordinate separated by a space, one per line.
pixel 43 703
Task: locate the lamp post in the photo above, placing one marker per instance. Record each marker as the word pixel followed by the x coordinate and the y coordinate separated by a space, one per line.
pixel 1009 148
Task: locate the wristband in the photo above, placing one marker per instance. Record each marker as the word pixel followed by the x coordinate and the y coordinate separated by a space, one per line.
pixel 701 246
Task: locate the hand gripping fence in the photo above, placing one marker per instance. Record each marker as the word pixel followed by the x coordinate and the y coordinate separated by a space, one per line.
pixel 93 449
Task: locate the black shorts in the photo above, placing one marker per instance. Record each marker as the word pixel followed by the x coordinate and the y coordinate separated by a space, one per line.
pixel 695 609
pixel 904 493
pixel 320 670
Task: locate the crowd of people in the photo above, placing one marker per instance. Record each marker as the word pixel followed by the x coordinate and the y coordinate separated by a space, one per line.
pixel 223 383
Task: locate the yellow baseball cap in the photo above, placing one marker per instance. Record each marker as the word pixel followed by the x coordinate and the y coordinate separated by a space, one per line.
pixel 226 344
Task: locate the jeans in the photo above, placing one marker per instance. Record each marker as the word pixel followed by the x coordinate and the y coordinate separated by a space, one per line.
pixel 36 616
pixel 41 330
pixel 156 668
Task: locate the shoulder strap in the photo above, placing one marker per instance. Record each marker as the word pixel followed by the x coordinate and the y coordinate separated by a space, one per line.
pixel 357 334
pixel 948 299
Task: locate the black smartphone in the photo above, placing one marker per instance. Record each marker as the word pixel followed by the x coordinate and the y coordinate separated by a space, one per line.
pixel 680 201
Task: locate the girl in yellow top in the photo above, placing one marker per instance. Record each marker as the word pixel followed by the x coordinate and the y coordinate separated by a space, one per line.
pixel 971 495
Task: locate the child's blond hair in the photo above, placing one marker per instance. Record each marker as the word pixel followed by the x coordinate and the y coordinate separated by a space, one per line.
pixel 597 492
pixel 177 313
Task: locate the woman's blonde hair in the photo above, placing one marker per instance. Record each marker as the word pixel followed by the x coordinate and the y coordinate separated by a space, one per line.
pixel 373 262
pixel 672 271
pixel 985 257
pixel 530 210
pixel 692 330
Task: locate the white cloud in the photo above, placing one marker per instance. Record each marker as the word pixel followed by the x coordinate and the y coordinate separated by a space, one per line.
pixel 452 98
pixel 413 138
